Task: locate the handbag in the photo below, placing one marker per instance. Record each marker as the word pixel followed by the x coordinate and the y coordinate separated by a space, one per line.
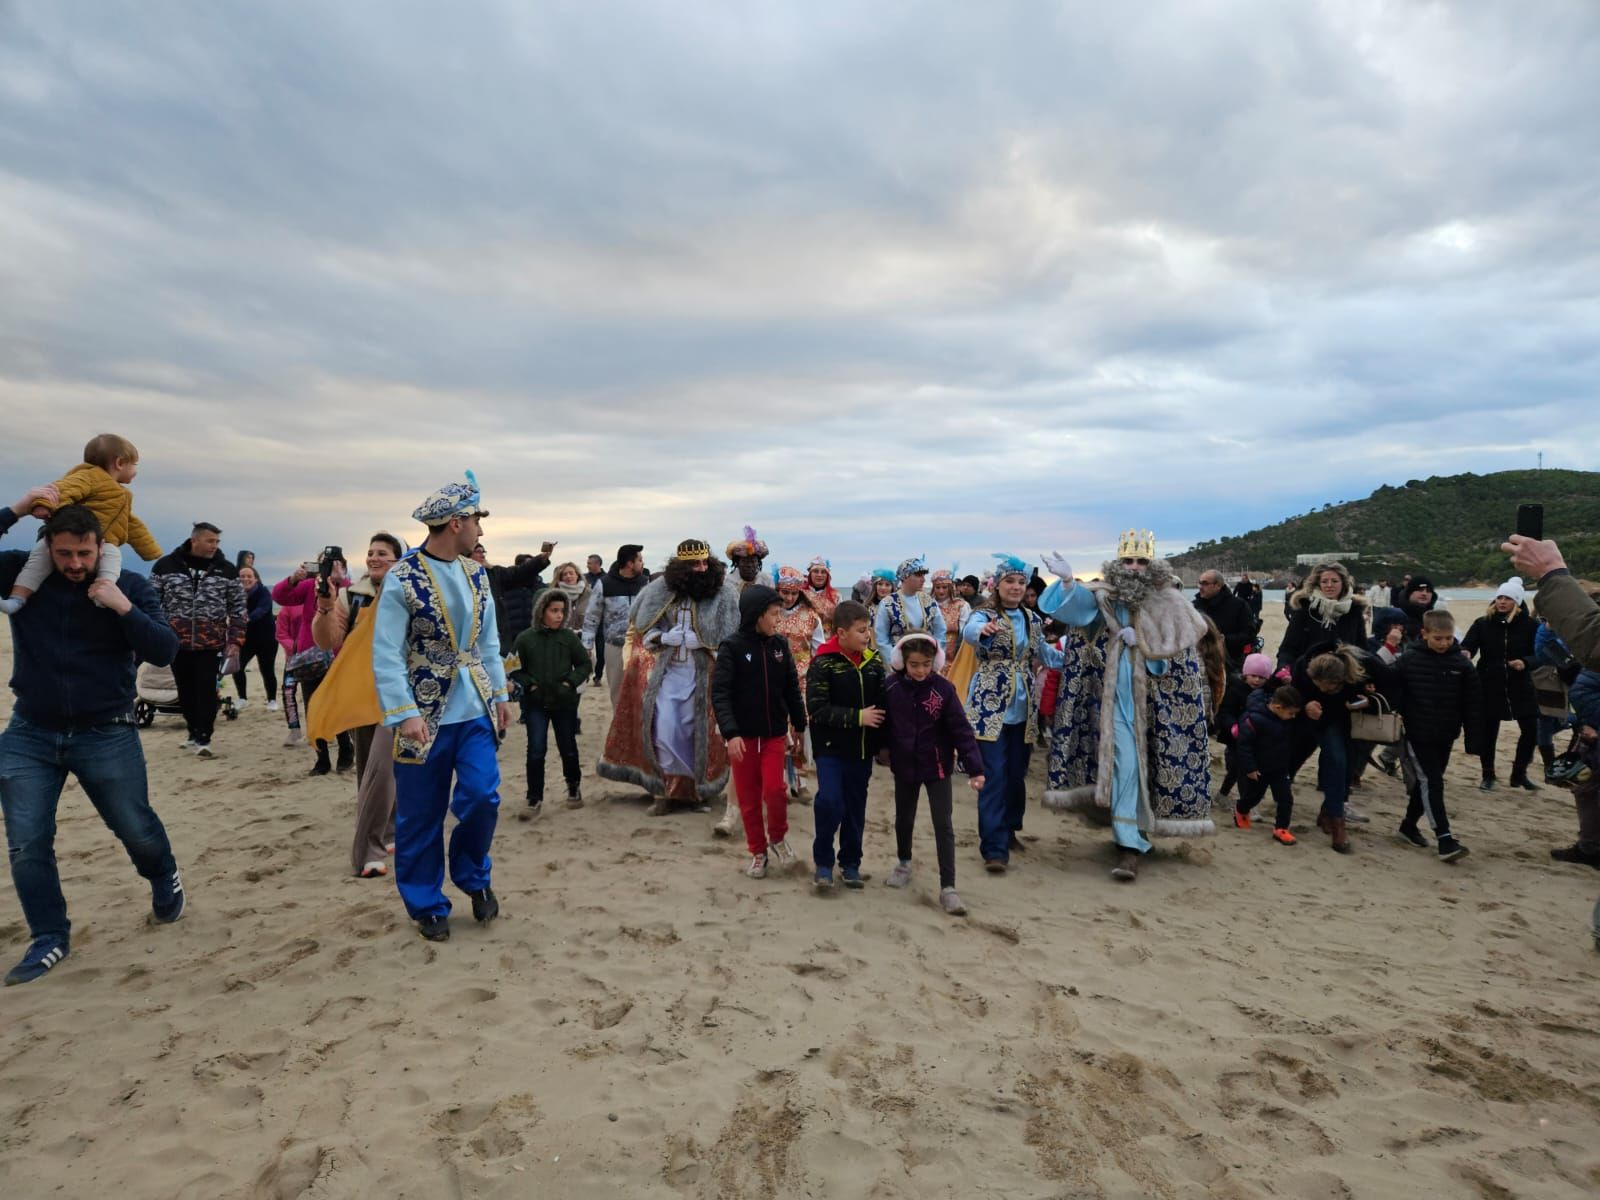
pixel 1382 725
pixel 308 665
pixel 1550 691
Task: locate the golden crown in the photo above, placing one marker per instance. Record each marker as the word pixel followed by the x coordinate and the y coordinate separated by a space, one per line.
pixel 1137 543
pixel 693 550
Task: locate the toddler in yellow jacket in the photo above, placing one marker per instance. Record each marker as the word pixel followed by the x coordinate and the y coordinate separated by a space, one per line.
pixel 99 483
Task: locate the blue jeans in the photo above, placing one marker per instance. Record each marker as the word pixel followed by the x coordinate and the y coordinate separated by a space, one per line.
pixel 421 797
pixel 109 762
pixel 540 722
pixel 1333 766
pixel 840 808
pixel 1005 790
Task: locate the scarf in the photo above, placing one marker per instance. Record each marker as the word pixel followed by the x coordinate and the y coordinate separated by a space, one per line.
pixel 1327 612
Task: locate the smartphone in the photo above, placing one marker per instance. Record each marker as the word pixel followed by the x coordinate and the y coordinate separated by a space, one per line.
pixel 1530 521
pixel 309 566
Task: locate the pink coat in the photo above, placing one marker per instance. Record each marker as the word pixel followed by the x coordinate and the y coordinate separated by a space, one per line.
pixel 301 599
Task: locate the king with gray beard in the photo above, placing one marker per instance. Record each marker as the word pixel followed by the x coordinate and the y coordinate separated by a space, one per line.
pixel 1129 740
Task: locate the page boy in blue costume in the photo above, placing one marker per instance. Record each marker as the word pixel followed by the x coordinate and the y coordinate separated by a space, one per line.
pixel 436 659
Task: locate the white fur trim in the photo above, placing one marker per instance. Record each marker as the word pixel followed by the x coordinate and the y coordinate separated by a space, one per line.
pixel 1203 827
pixel 1069 800
pixel 897 660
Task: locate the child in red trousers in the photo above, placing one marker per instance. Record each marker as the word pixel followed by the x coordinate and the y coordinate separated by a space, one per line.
pixel 755 694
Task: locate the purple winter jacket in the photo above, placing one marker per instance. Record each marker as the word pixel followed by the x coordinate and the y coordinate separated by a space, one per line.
pixel 924 725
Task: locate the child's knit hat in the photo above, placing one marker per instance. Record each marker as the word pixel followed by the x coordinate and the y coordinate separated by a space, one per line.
pixel 1259 665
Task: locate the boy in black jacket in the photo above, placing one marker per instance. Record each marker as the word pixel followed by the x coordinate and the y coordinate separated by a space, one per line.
pixel 755 693
pixel 1439 699
pixel 844 693
pixel 1265 753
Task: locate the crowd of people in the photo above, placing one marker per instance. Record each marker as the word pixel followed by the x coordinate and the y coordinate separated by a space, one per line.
pixel 409 675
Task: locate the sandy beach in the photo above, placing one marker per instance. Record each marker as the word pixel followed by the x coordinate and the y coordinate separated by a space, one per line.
pixel 1248 1020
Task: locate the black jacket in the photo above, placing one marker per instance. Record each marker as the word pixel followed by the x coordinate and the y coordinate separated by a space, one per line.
pixel 1497 641
pixel 513 589
pixel 1233 619
pixel 755 686
pixel 1336 707
pixel 836 692
pixel 1439 697
pixel 1305 631
pixel 203 599
pixel 1264 744
pixel 1249 591
pixel 1235 699
pixel 73 662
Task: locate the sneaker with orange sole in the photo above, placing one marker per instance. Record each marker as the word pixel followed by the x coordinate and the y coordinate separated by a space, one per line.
pixel 1283 836
pixel 1241 820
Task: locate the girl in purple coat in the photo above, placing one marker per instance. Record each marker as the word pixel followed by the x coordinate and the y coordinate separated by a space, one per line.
pixel 925 725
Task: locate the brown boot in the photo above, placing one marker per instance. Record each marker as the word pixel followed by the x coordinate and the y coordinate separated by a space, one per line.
pixel 1341 841
pixel 1127 868
pixel 1324 821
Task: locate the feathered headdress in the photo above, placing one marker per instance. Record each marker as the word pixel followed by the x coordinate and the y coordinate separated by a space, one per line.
pixel 749 546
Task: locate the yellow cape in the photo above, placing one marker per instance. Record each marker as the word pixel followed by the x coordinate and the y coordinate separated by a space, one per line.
pixel 347 698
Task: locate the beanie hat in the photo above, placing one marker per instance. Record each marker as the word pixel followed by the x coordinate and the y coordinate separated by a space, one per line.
pixel 1258 664
pixel 1513 590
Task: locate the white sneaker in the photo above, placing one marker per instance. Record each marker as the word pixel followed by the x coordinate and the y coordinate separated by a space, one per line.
pixel 785 856
pixel 240 704
pixel 729 822
pixel 758 867
pixel 204 751
pixel 899 877
pixel 187 744
pixel 294 738
pixel 272 706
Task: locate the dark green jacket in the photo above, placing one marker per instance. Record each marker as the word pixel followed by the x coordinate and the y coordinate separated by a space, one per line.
pixel 554 661
pixel 1575 618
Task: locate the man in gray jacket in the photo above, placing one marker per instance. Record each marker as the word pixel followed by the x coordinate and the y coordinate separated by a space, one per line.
pixel 605 625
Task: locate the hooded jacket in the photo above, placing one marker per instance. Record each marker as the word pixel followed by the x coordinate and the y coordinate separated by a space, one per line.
pixel 1264 743
pixel 1496 642
pixel 755 688
pixel 204 601
pixel 553 661
pixel 609 604
pixel 1306 627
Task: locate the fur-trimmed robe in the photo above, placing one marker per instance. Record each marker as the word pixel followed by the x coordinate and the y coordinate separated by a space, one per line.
pixel 630 749
pixel 1169 716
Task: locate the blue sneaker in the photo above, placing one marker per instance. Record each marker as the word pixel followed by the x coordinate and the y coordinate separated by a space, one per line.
pixel 824 880
pixel 45 953
pixel 166 899
pixel 851 876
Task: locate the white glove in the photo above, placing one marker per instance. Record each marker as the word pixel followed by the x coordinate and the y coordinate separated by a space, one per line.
pixel 1128 636
pixel 690 641
pixel 1058 566
pixel 673 636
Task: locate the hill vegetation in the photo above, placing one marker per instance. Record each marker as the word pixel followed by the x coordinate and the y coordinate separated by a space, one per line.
pixel 1448 527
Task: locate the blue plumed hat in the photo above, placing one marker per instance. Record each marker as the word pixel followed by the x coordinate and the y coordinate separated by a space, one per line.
pixel 1010 564
pixel 451 501
pixel 911 566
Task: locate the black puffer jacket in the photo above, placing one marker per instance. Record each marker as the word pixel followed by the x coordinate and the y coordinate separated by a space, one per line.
pixel 1498 641
pixel 1336 707
pixel 755 686
pixel 1439 697
pixel 836 692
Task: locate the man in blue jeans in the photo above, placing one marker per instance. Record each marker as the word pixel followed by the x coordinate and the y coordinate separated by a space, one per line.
pixel 76 647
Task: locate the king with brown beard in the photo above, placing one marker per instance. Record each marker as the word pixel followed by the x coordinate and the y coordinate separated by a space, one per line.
pixel 662 737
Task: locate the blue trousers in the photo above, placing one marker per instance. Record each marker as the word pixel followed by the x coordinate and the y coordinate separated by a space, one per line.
pixel 421 797
pixel 109 762
pixel 840 808
pixel 1005 790
pixel 1333 764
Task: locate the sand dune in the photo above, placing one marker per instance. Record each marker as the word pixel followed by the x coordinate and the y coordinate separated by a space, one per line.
pixel 1246 1021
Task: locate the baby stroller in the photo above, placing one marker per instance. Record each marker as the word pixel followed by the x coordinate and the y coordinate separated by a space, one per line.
pixel 156 691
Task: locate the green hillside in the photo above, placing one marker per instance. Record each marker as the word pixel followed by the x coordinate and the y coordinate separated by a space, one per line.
pixel 1448 527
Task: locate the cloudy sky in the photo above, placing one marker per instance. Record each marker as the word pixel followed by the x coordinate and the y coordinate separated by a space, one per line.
pixel 877 278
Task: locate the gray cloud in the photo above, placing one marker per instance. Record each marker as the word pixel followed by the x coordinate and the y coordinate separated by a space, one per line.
pixel 881 279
